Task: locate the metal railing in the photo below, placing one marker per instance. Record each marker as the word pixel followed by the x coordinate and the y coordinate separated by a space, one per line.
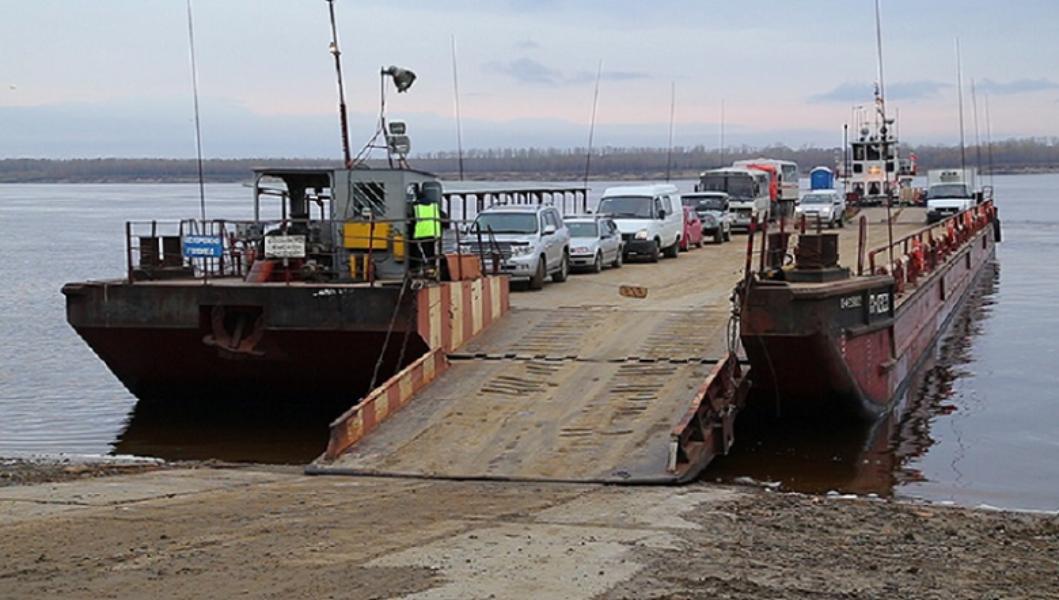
pixel 155 249
pixel 920 252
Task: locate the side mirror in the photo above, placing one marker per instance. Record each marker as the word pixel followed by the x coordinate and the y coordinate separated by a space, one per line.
pixel 662 214
pixel 549 229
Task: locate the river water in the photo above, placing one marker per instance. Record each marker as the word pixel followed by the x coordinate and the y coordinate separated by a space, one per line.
pixel 982 425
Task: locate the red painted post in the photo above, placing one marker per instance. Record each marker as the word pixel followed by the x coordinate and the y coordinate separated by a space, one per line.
pixel 749 249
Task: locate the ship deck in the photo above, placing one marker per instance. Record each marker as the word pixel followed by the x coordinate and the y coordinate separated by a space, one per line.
pixel 577 383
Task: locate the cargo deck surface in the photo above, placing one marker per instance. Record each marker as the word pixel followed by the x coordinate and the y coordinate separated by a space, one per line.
pixel 576 383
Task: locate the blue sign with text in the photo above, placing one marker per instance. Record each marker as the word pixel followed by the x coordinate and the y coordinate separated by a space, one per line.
pixel 203 246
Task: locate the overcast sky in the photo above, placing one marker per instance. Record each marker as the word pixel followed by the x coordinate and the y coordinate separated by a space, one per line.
pixel 87 78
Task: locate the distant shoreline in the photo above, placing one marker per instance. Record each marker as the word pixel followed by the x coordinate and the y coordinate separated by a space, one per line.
pixel 1016 156
pixel 445 176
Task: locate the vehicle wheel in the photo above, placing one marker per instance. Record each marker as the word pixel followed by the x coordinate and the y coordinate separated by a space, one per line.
pixel 655 252
pixel 674 250
pixel 564 269
pixel 619 259
pixel 536 282
pixel 718 236
pixel 598 265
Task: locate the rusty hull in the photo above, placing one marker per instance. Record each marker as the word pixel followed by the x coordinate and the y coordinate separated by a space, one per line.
pixel 848 348
pixel 186 341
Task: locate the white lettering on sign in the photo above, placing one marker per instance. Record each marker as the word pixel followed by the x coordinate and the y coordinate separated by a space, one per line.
pixel 285 246
pixel 879 304
pixel 850 302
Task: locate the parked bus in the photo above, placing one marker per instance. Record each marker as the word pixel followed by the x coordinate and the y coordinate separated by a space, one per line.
pixel 748 190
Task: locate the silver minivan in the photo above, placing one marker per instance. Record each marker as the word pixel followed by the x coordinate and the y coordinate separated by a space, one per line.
pixel 533 242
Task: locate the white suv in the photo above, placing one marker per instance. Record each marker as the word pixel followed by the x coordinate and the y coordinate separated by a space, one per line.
pixel 532 240
pixel 650 218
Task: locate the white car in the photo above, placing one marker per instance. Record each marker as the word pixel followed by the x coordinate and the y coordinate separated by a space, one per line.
pixel 533 242
pixel 595 242
pixel 823 206
pixel 650 218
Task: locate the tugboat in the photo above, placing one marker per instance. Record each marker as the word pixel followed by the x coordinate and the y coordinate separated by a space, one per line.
pixel 874 170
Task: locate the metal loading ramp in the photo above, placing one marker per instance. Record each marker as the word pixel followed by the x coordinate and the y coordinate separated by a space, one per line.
pixel 565 394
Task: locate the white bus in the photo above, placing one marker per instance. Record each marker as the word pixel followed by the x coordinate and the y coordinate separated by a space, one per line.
pixel 747 189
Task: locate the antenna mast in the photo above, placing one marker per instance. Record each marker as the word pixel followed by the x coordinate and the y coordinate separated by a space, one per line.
pixel 989 140
pixel 880 101
pixel 343 122
pixel 977 139
pixel 672 112
pixel 722 132
pixel 456 96
pixel 959 95
pixel 592 122
pixel 198 128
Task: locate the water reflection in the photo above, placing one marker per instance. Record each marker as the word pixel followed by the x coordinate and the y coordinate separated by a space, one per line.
pixel 282 433
pixel 816 456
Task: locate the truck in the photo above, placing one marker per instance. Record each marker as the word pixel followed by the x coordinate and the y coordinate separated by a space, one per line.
pixel 949 191
pixel 747 189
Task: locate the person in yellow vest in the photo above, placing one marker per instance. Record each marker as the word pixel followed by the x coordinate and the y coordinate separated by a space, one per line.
pixel 426 230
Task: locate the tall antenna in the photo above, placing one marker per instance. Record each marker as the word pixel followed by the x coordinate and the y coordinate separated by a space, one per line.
pixel 989 140
pixel 456 96
pixel 672 112
pixel 977 139
pixel 880 101
pixel 343 122
pixel 722 132
pixel 198 128
pixel 878 49
pixel 592 122
pixel 959 96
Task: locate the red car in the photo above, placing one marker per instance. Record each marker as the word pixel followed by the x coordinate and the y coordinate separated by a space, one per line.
pixel 692 230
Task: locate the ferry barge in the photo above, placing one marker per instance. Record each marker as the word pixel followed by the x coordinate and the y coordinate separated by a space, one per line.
pixel 317 305
pixel 823 340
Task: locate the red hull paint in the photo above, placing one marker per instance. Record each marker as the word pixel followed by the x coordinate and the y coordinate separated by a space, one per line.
pixel 832 348
pixel 306 343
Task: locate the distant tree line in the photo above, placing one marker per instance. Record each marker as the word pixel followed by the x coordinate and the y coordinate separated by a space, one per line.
pixel 1008 156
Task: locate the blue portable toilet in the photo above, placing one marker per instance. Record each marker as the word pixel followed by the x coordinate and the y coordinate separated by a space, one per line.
pixel 821 178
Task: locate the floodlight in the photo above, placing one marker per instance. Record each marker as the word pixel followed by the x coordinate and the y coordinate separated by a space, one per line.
pixel 402 78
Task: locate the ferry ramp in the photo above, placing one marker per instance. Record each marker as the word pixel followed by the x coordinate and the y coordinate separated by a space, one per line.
pixel 575 383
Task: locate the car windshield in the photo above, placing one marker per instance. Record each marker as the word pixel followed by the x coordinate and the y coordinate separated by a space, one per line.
pixel 704 202
pixel 628 207
pixel 582 229
pixel 736 185
pixel 816 199
pixel 507 222
pixel 949 190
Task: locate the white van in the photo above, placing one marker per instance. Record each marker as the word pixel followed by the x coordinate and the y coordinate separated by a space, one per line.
pixel 649 217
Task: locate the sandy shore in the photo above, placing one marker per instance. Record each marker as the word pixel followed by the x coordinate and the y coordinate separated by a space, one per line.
pixel 275 533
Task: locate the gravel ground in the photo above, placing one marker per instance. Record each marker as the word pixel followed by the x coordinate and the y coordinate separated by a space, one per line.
pixel 274 533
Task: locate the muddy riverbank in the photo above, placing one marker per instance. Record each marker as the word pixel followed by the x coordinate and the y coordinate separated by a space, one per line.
pixel 272 532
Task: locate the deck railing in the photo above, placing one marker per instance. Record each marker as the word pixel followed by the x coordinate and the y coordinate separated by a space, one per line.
pixel 156 249
pixel 920 252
